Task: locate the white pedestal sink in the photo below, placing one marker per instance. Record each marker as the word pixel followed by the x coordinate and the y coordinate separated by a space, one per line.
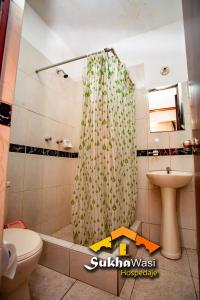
pixel 169 237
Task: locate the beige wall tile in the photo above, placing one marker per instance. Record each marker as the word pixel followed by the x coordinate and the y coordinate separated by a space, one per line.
pixel 45 110
pixel 14 207
pixel 158 162
pixel 47 227
pixel 26 62
pixel 65 171
pixel 154 233
pixel 50 171
pixel 50 130
pixel 33 176
pixel 142 179
pixel 145 230
pixel 16 165
pixel 182 163
pixel 178 137
pixel 154 201
pixel 55 257
pixel 36 129
pixel 49 204
pixel 158 140
pixel 22 97
pixel 186 209
pixel 142 205
pixel 63 219
pixel 141 133
pixel 65 202
pixel 102 279
pixel 32 206
pixel 189 238
pixel 19 133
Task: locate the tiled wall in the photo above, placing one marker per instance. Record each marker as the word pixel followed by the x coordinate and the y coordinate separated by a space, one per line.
pixel 45 105
pixel 149 201
pixel 7 87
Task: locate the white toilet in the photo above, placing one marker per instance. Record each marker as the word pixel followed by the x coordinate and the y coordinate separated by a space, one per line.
pixel 28 247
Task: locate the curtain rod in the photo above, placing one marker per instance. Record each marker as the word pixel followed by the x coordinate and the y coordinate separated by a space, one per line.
pixel 80 57
pixel 76 58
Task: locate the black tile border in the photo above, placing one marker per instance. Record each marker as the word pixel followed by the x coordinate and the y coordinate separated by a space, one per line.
pixel 5 113
pixel 41 151
pixel 56 153
pixel 34 150
pixel 17 148
pixel 142 152
pixel 50 152
pixel 165 152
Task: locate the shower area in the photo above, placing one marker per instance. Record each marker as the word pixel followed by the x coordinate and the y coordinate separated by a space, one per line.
pixel 72 161
pixel 104 191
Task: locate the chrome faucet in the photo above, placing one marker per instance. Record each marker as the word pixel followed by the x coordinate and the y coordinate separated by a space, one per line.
pixel 168 169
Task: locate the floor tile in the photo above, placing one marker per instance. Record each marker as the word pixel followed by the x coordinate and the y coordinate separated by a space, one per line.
pixel 169 285
pixel 46 284
pixel 140 252
pixel 127 289
pixel 196 284
pixel 193 261
pixel 174 283
pixel 178 266
pixel 84 291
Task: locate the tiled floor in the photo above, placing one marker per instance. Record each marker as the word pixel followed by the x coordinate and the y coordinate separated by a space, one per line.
pixel 65 233
pixel 178 280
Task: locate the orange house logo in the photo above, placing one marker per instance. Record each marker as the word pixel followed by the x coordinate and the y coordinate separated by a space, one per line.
pixel 124 232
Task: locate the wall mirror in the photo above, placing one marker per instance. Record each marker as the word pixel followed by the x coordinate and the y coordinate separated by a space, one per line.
pixel 166 108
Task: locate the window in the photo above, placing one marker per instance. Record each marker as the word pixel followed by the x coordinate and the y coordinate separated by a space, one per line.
pixel 165 109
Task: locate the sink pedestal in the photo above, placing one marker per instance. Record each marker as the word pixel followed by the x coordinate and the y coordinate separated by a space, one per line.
pixel 170 238
pixel 169 182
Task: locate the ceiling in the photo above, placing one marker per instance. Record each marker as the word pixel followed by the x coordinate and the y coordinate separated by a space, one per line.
pixel 90 25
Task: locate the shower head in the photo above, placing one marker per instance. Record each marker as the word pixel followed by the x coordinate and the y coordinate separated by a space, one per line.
pixel 63 73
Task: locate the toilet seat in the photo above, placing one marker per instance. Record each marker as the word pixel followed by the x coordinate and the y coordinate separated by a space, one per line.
pixel 27 242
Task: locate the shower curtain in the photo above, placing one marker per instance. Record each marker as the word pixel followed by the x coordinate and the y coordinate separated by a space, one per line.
pixel 105 186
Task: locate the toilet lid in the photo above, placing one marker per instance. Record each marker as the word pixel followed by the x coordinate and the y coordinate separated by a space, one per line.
pixel 27 242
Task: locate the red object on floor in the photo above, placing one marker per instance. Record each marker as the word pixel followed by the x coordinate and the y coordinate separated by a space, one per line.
pixel 16 224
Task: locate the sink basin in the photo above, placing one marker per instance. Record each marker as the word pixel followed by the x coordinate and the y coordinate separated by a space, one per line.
pixel 175 179
pixel 169 236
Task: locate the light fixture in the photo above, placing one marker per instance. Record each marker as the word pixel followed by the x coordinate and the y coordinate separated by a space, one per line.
pixel 164 71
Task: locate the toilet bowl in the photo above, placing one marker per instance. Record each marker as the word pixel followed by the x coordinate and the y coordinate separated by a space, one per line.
pixel 28 248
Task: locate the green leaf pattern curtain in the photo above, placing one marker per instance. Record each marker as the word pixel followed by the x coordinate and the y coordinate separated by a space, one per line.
pixel 105 186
